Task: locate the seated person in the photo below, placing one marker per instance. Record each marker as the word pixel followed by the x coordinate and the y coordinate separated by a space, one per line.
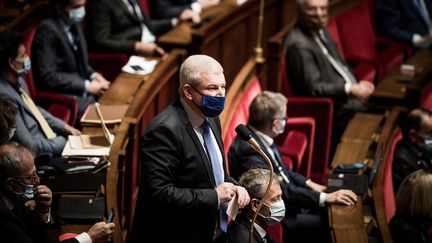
pixel 122 26
pixel 272 212
pixel 176 8
pixel 407 21
pixel 316 68
pixel 25 204
pixel 35 127
pixel 413 217
pixel 8 114
pixel 60 56
pixel 414 151
pixel 267 119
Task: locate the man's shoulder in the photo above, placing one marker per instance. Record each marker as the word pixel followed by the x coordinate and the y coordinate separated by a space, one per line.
pixel 171 117
pixel 297 38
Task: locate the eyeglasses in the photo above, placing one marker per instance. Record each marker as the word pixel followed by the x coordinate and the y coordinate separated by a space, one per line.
pixel 34 178
pixel 285 118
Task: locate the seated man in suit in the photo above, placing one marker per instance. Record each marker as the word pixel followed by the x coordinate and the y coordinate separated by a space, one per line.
pixel 414 151
pixel 272 212
pixel 316 69
pixel 267 119
pixel 8 114
pixel 60 56
pixel 35 127
pixel 122 26
pixel 407 21
pixel 177 8
pixel 184 187
pixel 25 204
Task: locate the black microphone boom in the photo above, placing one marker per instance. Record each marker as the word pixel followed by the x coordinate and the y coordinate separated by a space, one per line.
pixel 246 135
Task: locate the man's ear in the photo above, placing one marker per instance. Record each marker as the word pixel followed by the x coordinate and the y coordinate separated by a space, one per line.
pixel 412 135
pixel 254 204
pixel 187 91
pixel 9 184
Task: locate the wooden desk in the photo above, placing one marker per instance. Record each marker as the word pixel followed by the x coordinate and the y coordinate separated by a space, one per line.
pixel 390 92
pixel 353 151
pixel 346 223
pixel 362 127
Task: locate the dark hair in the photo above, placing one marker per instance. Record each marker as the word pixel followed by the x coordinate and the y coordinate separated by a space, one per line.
pixel 7 119
pixel 412 120
pixel 10 42
pixel 11 157
pixel 63 3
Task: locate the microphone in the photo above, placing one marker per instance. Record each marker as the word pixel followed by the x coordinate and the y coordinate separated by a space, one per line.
pixel 246 135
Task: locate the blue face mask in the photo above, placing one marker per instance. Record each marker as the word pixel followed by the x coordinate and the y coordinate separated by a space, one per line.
pixel 77 15
pixel 211 106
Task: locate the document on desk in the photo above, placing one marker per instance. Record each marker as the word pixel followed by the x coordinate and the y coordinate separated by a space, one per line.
pixel 90 144
pixel 139 65
pixel 233 208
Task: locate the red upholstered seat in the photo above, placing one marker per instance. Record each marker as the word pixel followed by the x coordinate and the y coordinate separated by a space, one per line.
pixel 145 7
pixel 61 106
pixel 387 183
pixel 276 232
pixel 360 44
pixel 426 97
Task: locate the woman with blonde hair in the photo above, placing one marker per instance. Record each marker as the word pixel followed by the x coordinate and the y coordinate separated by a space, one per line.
pixel 413 216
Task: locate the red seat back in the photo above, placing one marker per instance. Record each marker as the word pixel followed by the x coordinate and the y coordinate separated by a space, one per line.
pixel 29 35
pixel 387 184
pixel 145 7
pixel 426 97
pixel 334 32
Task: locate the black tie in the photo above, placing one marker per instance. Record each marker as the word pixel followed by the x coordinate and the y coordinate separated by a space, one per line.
pixel 279 162
pixel 79 59
pixel 276 153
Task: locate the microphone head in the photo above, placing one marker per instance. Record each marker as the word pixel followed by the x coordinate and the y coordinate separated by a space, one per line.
pixel 243 132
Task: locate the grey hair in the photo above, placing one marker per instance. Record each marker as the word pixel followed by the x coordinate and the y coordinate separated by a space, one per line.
pixel 11 157
pixel 265 107
pixel 195 67
pixel 255 181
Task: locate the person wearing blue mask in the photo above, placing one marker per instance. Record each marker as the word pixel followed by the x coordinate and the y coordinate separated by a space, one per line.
pixel 25 204
pixel 272 212
pixel 35 127
pixel 184 187
pixel 304 199
pixel 60 56
pixel 414 151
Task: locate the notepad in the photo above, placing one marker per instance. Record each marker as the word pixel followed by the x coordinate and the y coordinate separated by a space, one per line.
pixel 139 65
pixel 90 144
pixel 111 113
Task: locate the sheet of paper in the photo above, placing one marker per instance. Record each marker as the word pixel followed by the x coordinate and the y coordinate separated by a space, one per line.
pixel 233 208
pixel 139 65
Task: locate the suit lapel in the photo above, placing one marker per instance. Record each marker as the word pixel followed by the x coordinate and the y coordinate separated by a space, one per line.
pixel 122 6
pixel 417 11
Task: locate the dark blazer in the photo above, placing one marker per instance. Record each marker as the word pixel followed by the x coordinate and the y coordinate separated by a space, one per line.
pixel 242 157
pixel 112 28
pixel 55 66
pixel 177 201
pixel 400 19
pixel 238 231
pixel 407 229
pixel 169 8
pixel 21 225
pixel 406 160
pixel 28 131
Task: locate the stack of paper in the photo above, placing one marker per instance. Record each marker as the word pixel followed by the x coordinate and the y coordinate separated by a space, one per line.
pixel 139 65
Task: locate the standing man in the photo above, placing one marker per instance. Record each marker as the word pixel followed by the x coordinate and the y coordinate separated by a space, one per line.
pixel 316 69
pixel 272 212
pixel 414 151
pixel 303 198
pixel 60 56
pixel 184 189
pixel 406 20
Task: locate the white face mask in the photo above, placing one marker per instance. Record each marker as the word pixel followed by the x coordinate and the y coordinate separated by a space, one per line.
pixel 277 213
pixel 77 15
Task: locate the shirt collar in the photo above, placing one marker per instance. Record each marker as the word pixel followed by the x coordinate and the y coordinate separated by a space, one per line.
pixel 195 119
pixel 264 137
pixel 260 230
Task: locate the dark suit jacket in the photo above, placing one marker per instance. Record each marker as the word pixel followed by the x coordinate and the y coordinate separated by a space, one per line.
pixel 400 19
pixel 177 201
pixel 407 229
pixel 21 225
pixel 112 28
pixel 406 160
pixel 55 66
pixel 242 157
pixel 169 8
pixel 28 131
pixel 238 231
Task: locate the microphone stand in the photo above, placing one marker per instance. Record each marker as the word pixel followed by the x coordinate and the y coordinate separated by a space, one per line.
pixel 261 152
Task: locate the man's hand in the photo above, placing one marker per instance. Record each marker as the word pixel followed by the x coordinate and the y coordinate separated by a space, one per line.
pixel 362 90
pixel 43 198
pixel 71 130
pixel 148 49
pixel 98 86
pixel 242 196
pixel 188 14
pixel 343 197
pixel 208 3
pixel 225 191
pixel 101 232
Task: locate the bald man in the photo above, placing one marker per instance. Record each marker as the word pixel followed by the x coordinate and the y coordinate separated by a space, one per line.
pixel 184 189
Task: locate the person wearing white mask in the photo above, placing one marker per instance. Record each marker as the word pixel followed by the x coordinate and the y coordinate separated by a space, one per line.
pixel 414 151
pixel 303 198
pixel 60 56
pixel 272 212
